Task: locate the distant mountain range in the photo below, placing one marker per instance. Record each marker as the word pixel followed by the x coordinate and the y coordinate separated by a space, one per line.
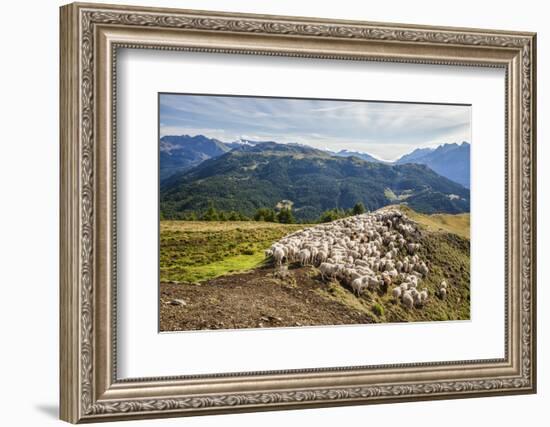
pixel 261 174
pixel 450 160
pixel 180 153
pixel 183 152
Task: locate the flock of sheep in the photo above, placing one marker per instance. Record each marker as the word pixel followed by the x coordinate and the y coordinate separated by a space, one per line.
pixel 371 251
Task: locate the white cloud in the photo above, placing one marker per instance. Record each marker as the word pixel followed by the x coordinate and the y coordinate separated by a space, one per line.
pixel 385 130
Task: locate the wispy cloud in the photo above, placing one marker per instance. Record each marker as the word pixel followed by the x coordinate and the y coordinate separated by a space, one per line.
pixel 386 130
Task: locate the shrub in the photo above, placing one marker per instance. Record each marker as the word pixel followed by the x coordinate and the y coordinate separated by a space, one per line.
pixel 265 214
pixel 359 208
pixel 285 216
pixel 378 309
pixel 332 215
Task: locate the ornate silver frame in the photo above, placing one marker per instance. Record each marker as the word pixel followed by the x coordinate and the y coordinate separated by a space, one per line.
pixel 90 36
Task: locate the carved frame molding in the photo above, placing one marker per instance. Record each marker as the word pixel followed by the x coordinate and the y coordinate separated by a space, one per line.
pixel 90 36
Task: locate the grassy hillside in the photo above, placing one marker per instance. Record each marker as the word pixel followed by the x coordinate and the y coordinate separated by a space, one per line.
pixel 457 224
pixel 239 289
pixel 193 251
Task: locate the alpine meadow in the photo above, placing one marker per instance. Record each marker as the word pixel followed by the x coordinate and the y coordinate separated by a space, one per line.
pixel 287 212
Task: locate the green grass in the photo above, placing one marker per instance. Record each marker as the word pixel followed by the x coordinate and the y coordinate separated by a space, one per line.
pixel 194 251
pixel 235 264
pixel 378 309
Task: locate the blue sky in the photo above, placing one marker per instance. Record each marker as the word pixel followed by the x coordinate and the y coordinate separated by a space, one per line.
pixel 385 130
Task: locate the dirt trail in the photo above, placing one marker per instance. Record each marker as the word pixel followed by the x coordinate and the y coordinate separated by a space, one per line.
pixel 254 299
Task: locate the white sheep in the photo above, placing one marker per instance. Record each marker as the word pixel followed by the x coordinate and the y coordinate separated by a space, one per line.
pixel 413 280
pixel 399 266
pixel 407 299
pixel 396 293
pixel 278 255
pixel 393 273
pixel 327 269
pixel 357 285
pixel 424 295
pixel 304 256
pixel 372 282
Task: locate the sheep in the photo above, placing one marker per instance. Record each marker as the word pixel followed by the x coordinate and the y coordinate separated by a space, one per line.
pixel 423 269
pixel 313 253
pixel 322 255
pixel 327 269
pixel 361 262
pixel 396 293
pixel 413 280
pixel 278 255
pixel 385 283
pixel 407 299
pixel 399 266
pixel 371 251
pixel 357 285
pixel 372 282
pixel 443 293
pixel 304 256
pixel 424 295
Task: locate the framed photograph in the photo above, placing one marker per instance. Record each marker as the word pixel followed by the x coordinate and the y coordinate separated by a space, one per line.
pixel 266 212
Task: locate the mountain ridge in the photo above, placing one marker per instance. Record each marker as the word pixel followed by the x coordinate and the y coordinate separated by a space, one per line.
pixel 450 160
pixel 183 152
pixel 180 153
pixel 360 154
pixel 259 176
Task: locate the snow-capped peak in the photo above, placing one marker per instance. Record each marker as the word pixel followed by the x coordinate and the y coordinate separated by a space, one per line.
pixel 243 141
